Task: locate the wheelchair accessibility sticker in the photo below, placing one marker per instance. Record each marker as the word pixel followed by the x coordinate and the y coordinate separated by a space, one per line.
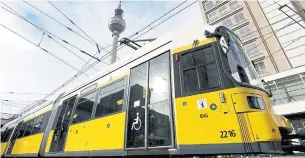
pixel 202 104
pixel 136 123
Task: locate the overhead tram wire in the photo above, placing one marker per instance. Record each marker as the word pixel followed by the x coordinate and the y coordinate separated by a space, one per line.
pixel 18 15
pixel 9 100
pixel 276 31
pixel 78 27
pixel 22 93
pixel 149 25
pixel 286 18
pixel 86 69
pixel 42 49
pixel 71 52
pixel 68 28
pixel 45 31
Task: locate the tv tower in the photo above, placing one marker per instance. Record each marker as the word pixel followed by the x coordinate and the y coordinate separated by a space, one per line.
pixel 116 26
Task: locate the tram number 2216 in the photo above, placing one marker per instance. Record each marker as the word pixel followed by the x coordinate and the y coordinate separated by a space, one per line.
pixel 227 134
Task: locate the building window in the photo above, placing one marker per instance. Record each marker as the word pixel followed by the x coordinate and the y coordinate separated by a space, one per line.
pixel 244 31
pixel 208 5
pixel 233 4
pixel 255 102
pixel 251 49
pixel 222 9
pixel 260 67
pixel 239 17
pixel 212 15
pixel 227 22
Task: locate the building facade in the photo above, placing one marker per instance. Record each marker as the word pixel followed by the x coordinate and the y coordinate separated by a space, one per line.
pixel 263 30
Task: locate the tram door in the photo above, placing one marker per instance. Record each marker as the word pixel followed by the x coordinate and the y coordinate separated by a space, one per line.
pixel 62 124
pixel 149 110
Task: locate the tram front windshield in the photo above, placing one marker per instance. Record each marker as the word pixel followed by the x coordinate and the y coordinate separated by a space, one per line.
pixel 241 68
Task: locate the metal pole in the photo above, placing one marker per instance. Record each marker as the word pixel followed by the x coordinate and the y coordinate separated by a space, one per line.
pixel 278 92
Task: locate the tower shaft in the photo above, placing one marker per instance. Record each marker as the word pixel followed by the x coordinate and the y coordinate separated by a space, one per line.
pixel 115 38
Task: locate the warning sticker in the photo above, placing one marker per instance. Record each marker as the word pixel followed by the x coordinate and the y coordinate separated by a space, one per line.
pixel 202 104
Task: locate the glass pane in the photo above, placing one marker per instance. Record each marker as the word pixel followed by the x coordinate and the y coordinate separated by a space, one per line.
pixel 57 129
pixel 65 125
pixel 190 80
pixel 159 131
pixel 110 99
pixel 112 86
pixel 3 135
pixel 21 131
pixel 28 129
pixel 208 76
pixel 110 103
pixel 204 56
pixel 261 103
pixel 187 60
pixel 136 110
pixel 84 108
pixel 253 102
pixel 8 135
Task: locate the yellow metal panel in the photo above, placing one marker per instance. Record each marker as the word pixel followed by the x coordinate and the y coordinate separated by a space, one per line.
pixel 47 149
pixel 264 127
pixel 106 133
pixel 262 122
pixel 76 137
pixel 28 145
pixel 3 146
pixel 196 125
pixel 202 42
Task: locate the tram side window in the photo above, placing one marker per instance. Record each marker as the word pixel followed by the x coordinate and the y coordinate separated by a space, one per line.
pixel 37 124
pixel 3 135
pixel 84 107
pixel 110 99
pixel 255 102
pixel 21 131
pixel 200 70
pixel 8 134
pixel 29 128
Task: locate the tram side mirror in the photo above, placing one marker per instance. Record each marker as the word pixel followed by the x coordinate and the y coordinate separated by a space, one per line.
pixel 269 89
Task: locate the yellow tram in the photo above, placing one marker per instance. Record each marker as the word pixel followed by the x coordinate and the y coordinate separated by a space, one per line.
pixel 189 92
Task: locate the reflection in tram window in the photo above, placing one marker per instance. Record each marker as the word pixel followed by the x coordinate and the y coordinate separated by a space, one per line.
pixel 38 125
pixel 158 102
pixel 84 107
pixel 21 131
pixel 28 129
pixel 110 99
pixel 136 110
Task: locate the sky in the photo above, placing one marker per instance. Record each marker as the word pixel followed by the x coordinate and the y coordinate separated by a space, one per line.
pixel 25 68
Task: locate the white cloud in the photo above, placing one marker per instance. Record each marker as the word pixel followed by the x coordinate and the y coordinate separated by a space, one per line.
pixel 26 68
